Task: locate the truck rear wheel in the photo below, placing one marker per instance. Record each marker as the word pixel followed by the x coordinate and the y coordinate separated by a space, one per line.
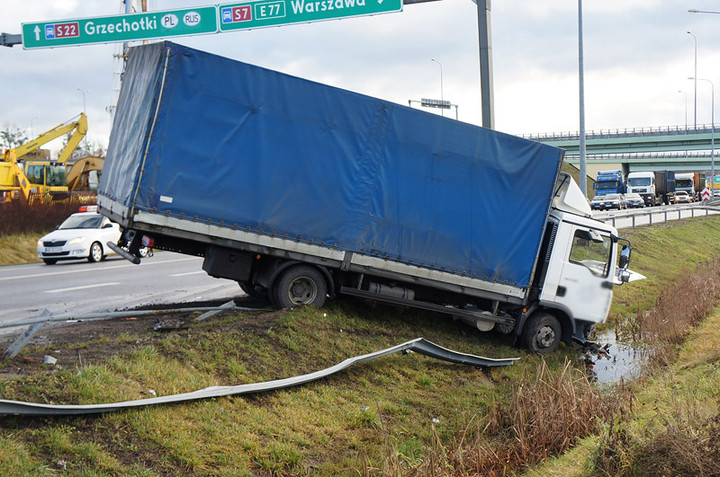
pixel 542 333
pixel 300 285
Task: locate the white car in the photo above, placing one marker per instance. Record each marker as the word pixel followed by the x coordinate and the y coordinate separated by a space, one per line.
pixel 82 235
pixel 682 197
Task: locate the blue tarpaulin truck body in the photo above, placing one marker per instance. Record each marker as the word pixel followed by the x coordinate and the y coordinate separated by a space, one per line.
pixel 240 164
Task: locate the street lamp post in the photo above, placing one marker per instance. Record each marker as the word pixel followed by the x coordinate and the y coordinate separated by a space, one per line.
pixel 712 136
pixel 32 135
pixel 581 145
pixel 442 96
pixel 83 94
pixel 695 76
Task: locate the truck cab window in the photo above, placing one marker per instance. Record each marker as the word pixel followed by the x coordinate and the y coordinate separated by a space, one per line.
pixel 592 254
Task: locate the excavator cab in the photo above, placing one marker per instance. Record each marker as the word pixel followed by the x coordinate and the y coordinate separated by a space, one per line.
pixel 38 179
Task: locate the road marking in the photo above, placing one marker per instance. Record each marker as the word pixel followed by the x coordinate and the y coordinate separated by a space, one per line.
pixel 84 287
pixel 96 269
pixel 187 273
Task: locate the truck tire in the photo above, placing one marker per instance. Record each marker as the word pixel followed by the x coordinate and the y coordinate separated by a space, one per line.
pixel 300 285
pixel 96 252
pixel 542 333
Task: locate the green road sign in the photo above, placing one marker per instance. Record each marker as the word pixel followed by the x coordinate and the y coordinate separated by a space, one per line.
pixel 136 26
pixel 264 13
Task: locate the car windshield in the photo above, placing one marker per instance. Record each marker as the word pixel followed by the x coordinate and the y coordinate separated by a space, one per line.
pixel 633 196
pixel 81 222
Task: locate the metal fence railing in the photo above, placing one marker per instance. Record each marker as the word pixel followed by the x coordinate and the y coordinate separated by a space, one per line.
pixel 651 216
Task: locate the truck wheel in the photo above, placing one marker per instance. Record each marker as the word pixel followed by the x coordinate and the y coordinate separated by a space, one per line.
pixel 542 333
pixel 300 285
pixel 96 252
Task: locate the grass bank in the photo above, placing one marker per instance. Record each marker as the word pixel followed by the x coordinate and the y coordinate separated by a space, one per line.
pixel 19 248
pixel 673 425
pixel 21 225
pixel 400 415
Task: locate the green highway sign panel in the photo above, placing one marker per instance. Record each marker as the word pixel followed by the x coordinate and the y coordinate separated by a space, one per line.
pixel 196 21
pixel 264 13
pixel 130 27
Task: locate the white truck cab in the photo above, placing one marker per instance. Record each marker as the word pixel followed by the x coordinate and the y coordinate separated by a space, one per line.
pixel 583 262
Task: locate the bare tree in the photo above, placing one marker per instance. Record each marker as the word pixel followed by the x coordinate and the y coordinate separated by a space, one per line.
pixel 11 136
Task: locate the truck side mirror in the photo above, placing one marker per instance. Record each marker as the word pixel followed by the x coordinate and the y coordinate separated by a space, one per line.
pixel 624 257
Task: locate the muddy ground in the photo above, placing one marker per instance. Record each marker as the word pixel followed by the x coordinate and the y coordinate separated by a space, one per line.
pixel 80 343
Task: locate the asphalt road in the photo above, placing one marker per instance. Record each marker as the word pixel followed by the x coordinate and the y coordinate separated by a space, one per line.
pixel 114 284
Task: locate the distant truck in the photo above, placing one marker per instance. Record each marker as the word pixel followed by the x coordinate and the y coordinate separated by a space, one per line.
pixel 301 191
pixel 655 187
pixel 690 182
pixel 609 182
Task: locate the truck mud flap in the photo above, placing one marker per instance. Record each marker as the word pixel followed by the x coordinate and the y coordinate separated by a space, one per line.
pixel 418 345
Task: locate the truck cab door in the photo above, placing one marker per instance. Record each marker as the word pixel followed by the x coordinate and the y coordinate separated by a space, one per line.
pixel 582 280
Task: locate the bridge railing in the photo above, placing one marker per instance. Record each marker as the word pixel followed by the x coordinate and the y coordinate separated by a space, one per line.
pixel 649 155
pixel 627 132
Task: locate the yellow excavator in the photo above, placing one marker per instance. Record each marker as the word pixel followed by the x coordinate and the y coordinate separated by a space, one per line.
pixel 40 180
pixel 83 177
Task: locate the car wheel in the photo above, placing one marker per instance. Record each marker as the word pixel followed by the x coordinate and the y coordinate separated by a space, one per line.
pixel 300 285
pixel 96 252
pixel 542 333
pixel 49 261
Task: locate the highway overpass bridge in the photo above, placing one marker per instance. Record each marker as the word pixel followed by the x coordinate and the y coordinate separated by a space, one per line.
pixel 677 149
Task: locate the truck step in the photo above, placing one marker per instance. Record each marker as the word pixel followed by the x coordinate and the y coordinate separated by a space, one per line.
pixel 472 315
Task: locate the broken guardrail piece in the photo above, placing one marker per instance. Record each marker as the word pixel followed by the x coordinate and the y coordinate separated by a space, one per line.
pixel 418 345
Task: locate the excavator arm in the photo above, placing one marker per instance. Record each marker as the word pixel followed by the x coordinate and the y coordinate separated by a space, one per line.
pixel 77 176
pixel 77 124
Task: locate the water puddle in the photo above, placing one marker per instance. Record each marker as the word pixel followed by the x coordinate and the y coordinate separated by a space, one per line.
pixel 621 363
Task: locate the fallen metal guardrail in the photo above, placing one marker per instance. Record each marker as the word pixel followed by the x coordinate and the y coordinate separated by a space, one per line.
pixel 418 345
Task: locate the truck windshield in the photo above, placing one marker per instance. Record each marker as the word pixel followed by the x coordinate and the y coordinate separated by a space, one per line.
pixel 608 185
pixel 595 256
pixel 639 181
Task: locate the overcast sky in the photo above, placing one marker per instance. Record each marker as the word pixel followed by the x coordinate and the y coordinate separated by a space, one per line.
pixel 637 55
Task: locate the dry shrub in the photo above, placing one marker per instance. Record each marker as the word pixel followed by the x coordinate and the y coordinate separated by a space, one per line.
pixel 21 218
pixel 547 415
pixel 678 310
pixel 686 447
